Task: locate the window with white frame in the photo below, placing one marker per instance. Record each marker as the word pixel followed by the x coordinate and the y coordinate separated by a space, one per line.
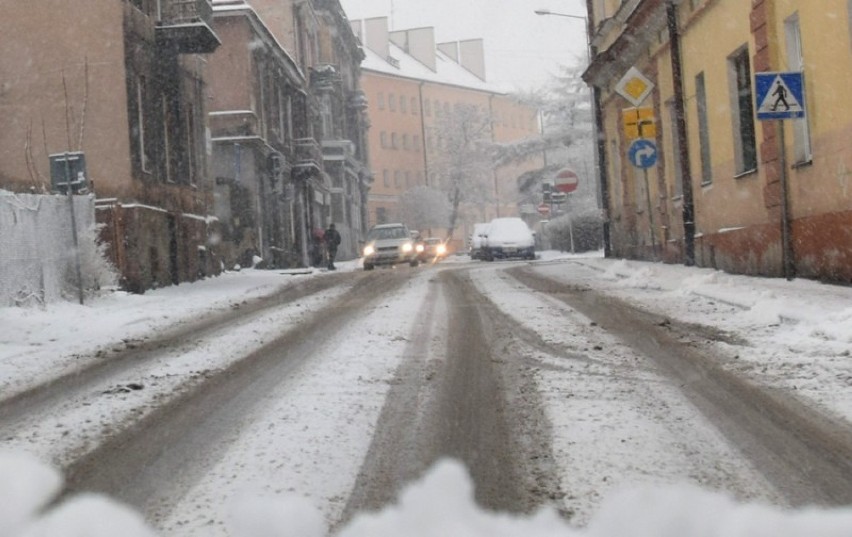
pixel 703 129
pixel 742 104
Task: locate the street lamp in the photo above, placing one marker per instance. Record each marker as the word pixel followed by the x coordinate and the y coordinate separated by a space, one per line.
pixel 595 127
pixel 548 12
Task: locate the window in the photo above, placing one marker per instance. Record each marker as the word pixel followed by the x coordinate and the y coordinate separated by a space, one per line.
pixel 795 62
pixel 383 138
pixel 427 107
pixel 413 106
pixel 326 117
pixel 703 130
pixel 140 123
pixel 392 102
pixel 167 142
pixel 405 143
pixel 745 146
pixel 380 100
pixel 381 215
pixel 190 145
pixel 403 104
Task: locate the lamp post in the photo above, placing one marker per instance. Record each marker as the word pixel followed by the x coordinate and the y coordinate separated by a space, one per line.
pixel 602 192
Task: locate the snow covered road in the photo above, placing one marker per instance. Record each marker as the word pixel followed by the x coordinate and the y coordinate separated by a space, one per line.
pixel 357 385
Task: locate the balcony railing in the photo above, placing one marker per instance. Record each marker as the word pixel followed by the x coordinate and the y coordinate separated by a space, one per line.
pixel 308 154
pixel 234 124
pixel 185 25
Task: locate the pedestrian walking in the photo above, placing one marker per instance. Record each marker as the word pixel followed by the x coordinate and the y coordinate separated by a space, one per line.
pixel 316 250
pixel 332 241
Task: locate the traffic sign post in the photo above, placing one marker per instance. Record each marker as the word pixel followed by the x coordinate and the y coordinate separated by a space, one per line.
pixel 566 181
pixel 780 96
pixel 642 153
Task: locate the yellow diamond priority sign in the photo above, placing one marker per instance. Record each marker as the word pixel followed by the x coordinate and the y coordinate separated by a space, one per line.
pixel 634 86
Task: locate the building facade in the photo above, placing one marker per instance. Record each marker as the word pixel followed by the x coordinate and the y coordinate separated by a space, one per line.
pixel 128 98
pixel 413 84
pixel 728 191
pixel 212 133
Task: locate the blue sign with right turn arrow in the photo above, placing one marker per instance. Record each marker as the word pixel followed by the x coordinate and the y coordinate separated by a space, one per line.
pixel 642 153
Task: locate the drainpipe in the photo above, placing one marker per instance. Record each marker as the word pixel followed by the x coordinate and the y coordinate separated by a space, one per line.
pixel 600 135
pixel 683 149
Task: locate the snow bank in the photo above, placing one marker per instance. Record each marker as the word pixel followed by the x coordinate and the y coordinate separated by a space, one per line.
pixel 441 504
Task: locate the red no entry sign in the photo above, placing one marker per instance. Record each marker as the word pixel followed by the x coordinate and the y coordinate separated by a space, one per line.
pixel 566 181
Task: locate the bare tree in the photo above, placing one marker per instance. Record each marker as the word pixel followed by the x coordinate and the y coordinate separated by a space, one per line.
pixel 566 136
pixel 463 159
pixel 425 207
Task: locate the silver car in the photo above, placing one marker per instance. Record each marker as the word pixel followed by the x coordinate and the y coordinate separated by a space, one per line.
pixel 389 244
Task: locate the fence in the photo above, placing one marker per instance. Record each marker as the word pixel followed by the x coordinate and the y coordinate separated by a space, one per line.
pixel 37 256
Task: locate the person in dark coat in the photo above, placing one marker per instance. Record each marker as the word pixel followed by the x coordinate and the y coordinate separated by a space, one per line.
pixel 332 241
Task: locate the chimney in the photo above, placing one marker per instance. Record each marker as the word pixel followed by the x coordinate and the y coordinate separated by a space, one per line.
pixel 375 36
pixel 472 56
pixel 418 43
pixel 451 49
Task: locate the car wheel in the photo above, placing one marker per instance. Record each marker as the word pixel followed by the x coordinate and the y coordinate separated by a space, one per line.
pixel 414 263
pixel 368 266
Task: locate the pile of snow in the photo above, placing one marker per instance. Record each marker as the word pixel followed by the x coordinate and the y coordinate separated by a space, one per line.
pixel 441 504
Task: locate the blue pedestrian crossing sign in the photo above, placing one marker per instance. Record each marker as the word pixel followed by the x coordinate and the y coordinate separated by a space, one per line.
pixel 780 95
pixel 642 153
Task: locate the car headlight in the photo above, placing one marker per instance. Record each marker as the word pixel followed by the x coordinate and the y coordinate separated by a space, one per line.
pixel 407 247
pixel 369 250
pixel 419 248
pixel 441 249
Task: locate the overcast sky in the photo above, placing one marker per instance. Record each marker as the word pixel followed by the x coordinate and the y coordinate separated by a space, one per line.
pixel 522 49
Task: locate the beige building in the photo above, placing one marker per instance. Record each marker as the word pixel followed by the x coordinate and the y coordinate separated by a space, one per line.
pixel 729 191
pixel 128 96
pixel 411 83
pixel 287 129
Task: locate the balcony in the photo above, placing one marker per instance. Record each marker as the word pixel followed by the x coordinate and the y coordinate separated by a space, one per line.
pixel 184 25
pixel 325 78
pixel 233 124
pixel 308 156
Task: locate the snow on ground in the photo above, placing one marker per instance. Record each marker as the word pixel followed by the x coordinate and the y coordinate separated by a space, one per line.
pixel 798 333
pixel 606 394
pixel 799 336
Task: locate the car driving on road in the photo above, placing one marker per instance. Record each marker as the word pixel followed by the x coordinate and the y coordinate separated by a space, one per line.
pixel 434 249
pixel 389 244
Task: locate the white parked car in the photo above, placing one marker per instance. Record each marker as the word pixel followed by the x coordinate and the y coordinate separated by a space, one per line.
pixel 508 237
pixel 476 240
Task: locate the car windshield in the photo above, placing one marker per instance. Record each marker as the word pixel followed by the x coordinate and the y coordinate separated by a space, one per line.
pixel 387 233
